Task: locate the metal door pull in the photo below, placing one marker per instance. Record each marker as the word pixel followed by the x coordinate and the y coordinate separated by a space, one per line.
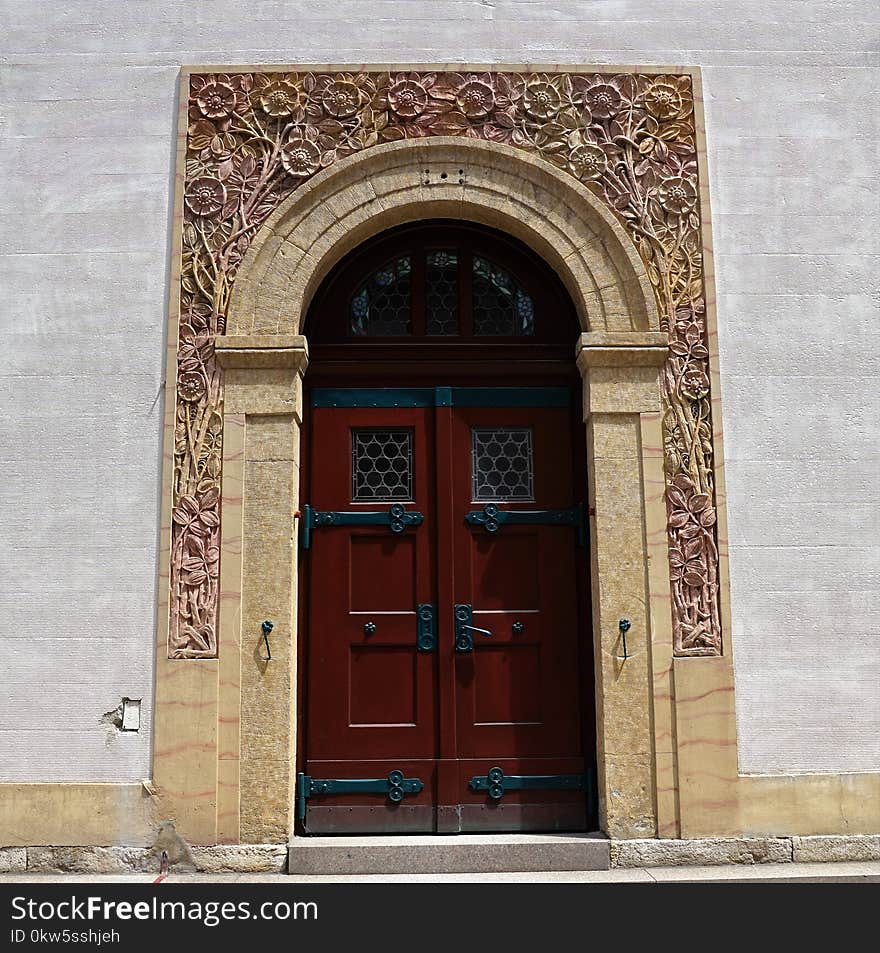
pixel 473 628
pixel 464 617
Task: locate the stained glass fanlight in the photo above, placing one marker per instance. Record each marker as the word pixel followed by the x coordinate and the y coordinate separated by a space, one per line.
pixel 381 305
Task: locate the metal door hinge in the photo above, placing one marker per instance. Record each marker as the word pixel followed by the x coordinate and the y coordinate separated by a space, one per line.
pixel 495 783
pixel 395 787
pixel 396 518
pixel 492 519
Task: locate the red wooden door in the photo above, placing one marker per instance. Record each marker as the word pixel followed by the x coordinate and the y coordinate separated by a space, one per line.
pixel 372 695
pixel 517 691
pixel 377 703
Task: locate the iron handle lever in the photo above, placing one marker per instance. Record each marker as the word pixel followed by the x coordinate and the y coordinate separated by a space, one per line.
pixel 473 628
pixel 464 617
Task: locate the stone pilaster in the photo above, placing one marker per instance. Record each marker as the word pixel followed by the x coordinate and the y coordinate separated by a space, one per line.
pixel 621 387
pixel 262 421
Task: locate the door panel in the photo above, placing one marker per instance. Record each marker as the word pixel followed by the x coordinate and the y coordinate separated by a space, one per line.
pixel 517 691
pixel 372 704
pixel 377 704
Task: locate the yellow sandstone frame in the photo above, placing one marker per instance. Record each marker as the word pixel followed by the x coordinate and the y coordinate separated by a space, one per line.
pixel 225 736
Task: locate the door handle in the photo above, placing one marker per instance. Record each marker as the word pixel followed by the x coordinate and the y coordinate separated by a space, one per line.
pixel 464 617
pixel 473 628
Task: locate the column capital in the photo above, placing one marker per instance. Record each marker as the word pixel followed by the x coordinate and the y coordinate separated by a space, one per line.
pixel 263 373
pixel 262 351
pixel 621 348
pixel 621 370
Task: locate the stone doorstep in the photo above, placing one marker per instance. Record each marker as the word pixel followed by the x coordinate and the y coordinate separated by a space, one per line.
pixel 530 852
pixel 448 854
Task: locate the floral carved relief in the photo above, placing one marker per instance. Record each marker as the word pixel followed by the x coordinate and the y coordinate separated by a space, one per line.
pixel 253 138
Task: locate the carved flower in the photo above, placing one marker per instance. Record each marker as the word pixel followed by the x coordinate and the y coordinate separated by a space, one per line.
pixel 198 513
pixel 604 101
pixel 663 100
pixel 588 161
pixel 677 195
pixel 279 98
pixel 206 196
pixel 341 99
pixel 191 386
pixel 542 100
pixel 407 98
pixel 475 99
pixel 216 100
pixel 300 157
pixel 694 383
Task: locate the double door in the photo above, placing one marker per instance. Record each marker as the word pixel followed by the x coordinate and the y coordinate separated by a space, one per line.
pixel 444 679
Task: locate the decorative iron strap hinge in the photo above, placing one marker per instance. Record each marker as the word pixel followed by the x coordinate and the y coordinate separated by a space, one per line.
pixel 492 519
pixel 495 783
pixel 395 787
pixel 396 518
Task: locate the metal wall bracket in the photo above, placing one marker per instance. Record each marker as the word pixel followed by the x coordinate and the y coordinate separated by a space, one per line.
pixel 396 518
pixel 395 787
pixel 495 783
pixel 491 518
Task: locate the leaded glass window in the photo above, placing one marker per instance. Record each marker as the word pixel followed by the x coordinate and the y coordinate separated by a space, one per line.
pixel 381 306
pixel 503 464
pixel 442 292
pixel 381 465
pixel 497 305
pixel 501 307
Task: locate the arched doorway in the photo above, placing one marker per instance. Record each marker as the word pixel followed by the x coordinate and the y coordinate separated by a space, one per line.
pixel 446 676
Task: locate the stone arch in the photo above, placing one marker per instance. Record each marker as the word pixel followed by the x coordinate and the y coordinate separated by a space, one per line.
pixel 442 177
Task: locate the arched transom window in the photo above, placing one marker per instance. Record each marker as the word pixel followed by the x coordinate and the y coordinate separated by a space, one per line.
pixel 443 282
pixel 499 306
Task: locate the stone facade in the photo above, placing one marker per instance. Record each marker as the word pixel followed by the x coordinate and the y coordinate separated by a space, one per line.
pixel 84 259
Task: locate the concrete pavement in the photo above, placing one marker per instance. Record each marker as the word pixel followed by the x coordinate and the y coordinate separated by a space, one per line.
pixel 850 872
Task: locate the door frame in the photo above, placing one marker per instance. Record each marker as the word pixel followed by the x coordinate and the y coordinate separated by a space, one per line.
pixel 620 354
pixel 393 374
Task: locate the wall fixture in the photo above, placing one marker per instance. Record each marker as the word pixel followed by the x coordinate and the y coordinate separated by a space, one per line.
pixel 624 625
pixel 267 627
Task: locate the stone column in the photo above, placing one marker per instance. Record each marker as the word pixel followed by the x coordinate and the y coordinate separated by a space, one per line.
pixel 257 725
pixel 621 372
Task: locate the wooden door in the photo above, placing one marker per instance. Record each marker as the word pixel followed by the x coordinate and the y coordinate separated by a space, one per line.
pixel 517 690
pixel 392 689
pixel 372 693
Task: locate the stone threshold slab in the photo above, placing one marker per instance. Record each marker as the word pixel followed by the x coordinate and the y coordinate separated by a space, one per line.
pixel 445 854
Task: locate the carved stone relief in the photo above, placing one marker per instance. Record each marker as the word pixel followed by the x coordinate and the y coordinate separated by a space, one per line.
pixel 253 138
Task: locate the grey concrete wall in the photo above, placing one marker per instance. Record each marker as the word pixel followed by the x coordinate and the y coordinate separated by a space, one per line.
pixel 88 93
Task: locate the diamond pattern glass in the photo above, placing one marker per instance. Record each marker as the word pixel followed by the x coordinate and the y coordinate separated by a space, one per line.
pixel 442 296
pixel 381 306
pixel 503 465
pixel 382 465
pixel 501 307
